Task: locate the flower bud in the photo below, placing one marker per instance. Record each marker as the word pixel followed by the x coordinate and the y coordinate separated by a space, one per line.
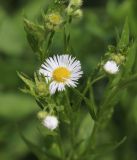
pixel 53 20
pixel 118 58
pixel 50 122
pixel 111 67
pixel 41 115
pixel 69 10
pixel 41 89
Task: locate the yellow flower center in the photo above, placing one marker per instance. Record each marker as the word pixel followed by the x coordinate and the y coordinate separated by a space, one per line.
pixel 61 74
pixel 55 19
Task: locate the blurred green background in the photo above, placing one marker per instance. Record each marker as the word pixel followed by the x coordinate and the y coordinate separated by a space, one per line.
pixel 101 22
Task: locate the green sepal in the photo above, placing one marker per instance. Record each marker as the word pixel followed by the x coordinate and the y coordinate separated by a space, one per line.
pixel 29 83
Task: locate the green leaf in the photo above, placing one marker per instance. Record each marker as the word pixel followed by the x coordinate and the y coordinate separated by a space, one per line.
pixel 89 104
pixel 36 78
pixel 84 132
pixel 16 106
pixel 35 35
pixel 64 117
pixel 41 152
pixel 29 83
pixel 66 40
pixel 104 149
pixel 126 81
pixel 124 40
pixel 50 39
pixel 25 90
pixel 35 149
pixel 131 57
pixel 26 80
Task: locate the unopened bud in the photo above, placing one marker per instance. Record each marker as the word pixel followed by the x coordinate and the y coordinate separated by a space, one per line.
pixel 42 89
pixel 41 115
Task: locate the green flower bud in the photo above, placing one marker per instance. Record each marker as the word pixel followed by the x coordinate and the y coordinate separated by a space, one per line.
pixel 42 89
pixel 41 115
pixel 69 10
pixel 53 20
pixel 119 58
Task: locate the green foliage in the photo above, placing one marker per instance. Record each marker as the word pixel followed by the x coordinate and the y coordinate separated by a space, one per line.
pixel 100 110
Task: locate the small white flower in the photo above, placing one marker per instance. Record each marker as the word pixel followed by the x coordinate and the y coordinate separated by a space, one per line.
pixel 51 122
pixel 111 67
pixel 61 71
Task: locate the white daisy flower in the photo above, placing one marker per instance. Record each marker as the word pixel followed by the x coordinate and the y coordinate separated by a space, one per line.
pixel 111 67
pixel 51 122
pixel 61 71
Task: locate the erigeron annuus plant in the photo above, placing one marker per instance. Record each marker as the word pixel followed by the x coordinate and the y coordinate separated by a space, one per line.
pixel 56 88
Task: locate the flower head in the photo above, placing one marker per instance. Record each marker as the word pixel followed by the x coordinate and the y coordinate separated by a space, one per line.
pixel 53 20
pixel 51 122
pixel 111 67
pixel 118 58
pixel 61 71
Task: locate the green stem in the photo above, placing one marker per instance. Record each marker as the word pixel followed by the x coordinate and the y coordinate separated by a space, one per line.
pixel 49 43
pixel 60 145
pixel 97 79
pixel 71 127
